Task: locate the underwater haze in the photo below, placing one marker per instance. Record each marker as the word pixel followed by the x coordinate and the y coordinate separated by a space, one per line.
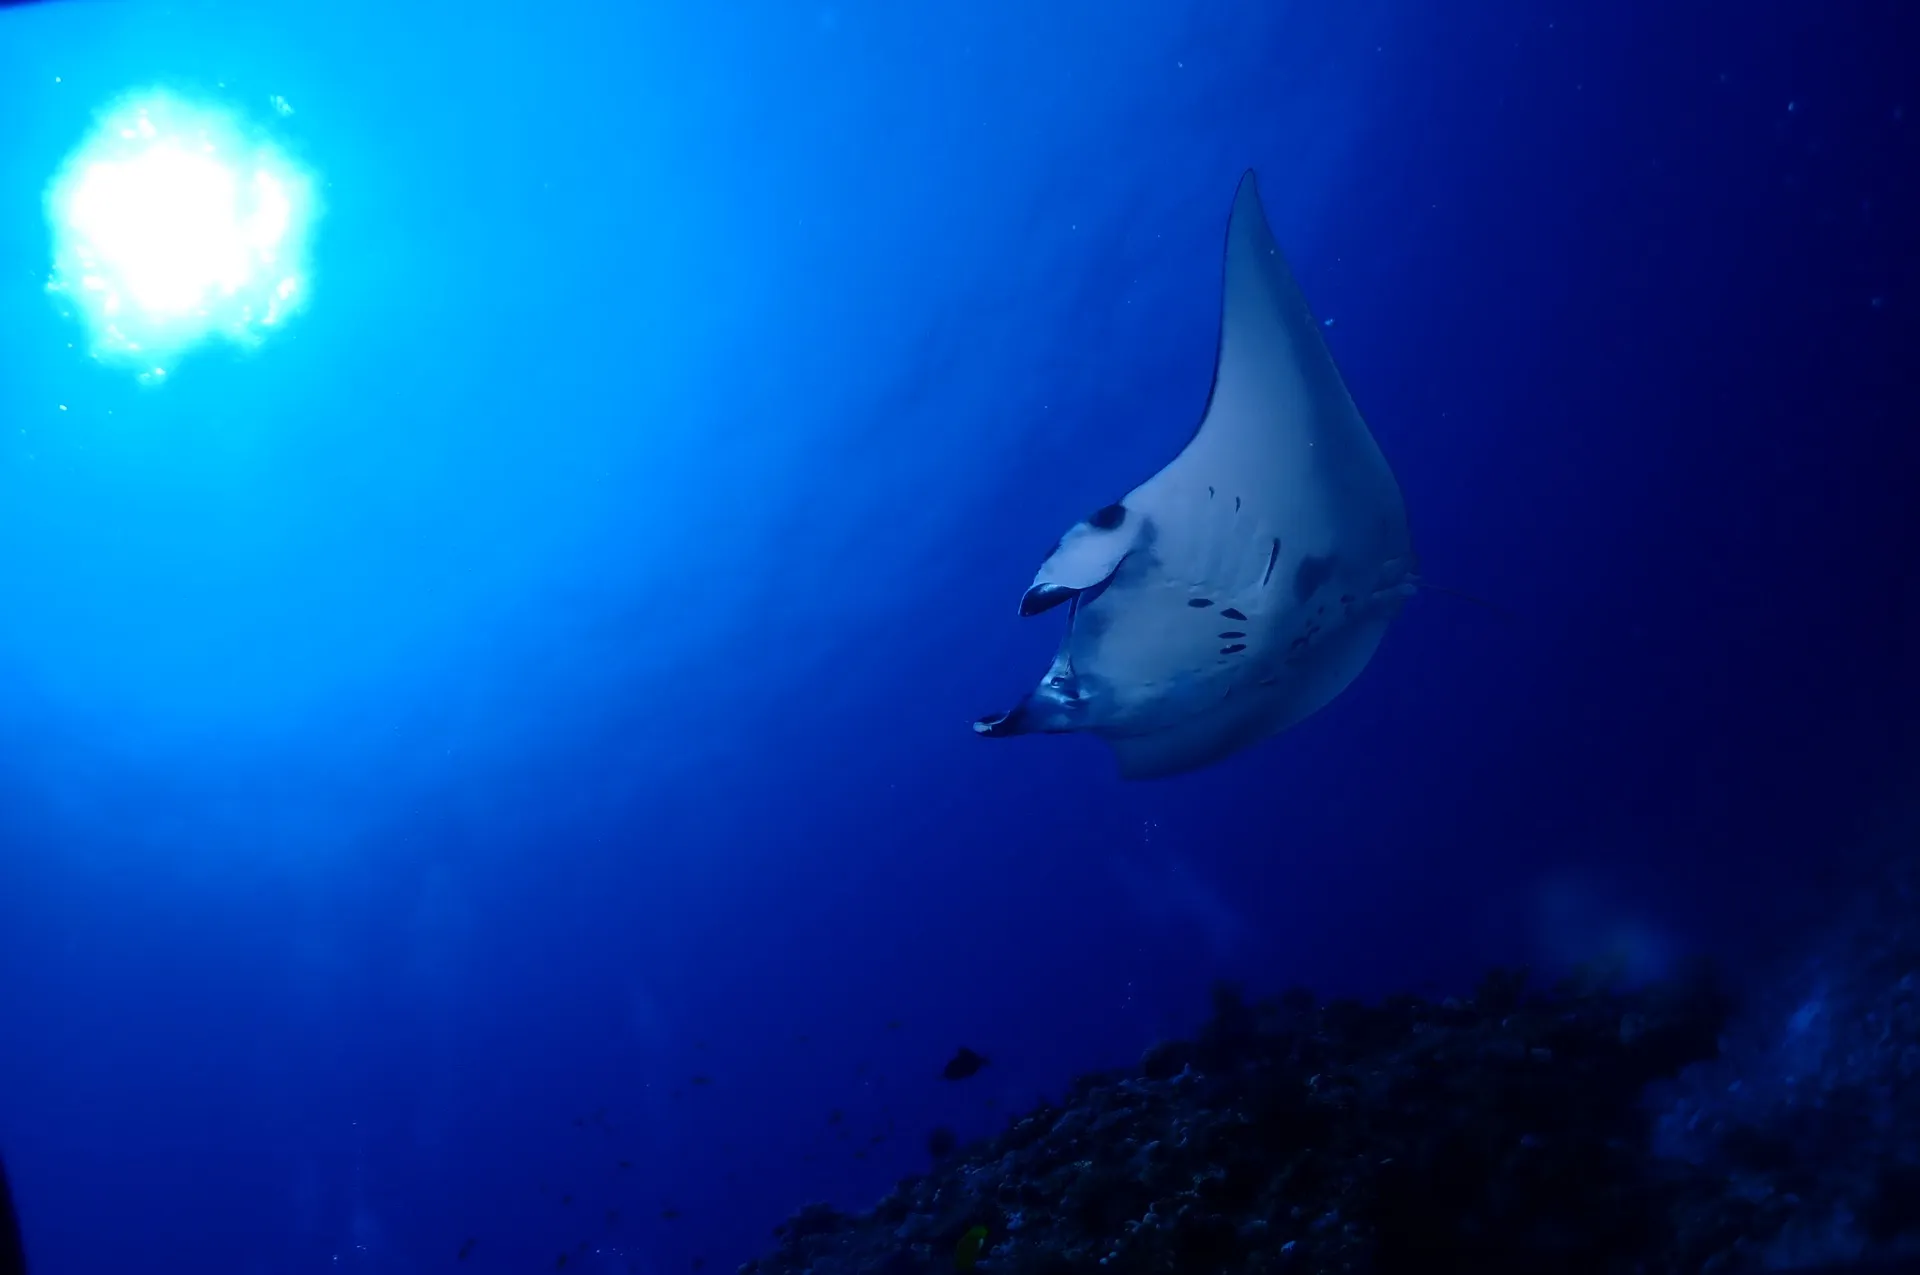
pixel 486 761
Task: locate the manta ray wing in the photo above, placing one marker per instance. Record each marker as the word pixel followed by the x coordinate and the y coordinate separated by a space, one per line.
pixel 1246 584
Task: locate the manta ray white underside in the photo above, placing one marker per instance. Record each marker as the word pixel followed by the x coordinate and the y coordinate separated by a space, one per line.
pixel 1246 584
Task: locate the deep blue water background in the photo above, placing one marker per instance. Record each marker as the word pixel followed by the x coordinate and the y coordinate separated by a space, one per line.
pixel 544 676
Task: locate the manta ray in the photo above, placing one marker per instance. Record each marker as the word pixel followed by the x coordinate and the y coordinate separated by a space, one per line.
pixel 1246 584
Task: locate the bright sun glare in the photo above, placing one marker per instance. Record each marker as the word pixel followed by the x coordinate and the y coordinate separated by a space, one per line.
pixel 173 222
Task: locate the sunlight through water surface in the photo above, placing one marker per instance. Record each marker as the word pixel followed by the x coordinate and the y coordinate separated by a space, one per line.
pixel 174 222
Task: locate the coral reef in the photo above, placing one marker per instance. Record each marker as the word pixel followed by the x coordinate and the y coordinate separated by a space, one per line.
pixel 1805 1130
pixel 1581 1128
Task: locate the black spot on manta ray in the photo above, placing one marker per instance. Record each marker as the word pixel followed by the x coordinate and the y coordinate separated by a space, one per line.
pixel 1234 613
pixel 1273 556
pixel 1107 517
pixel 1234 649
pixel 1199 602
pixel 1312 573
pixel 1230 634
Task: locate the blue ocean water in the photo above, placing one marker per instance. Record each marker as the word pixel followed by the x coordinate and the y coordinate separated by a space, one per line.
pixel 498 754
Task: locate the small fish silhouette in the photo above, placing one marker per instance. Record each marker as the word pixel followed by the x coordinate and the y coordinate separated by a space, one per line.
pixel 963 1064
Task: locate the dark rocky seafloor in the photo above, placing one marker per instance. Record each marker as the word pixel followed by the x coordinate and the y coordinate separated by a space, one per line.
pixel 1571 1129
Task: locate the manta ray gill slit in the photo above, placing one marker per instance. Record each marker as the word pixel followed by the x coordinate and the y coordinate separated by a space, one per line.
pixel 174 222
